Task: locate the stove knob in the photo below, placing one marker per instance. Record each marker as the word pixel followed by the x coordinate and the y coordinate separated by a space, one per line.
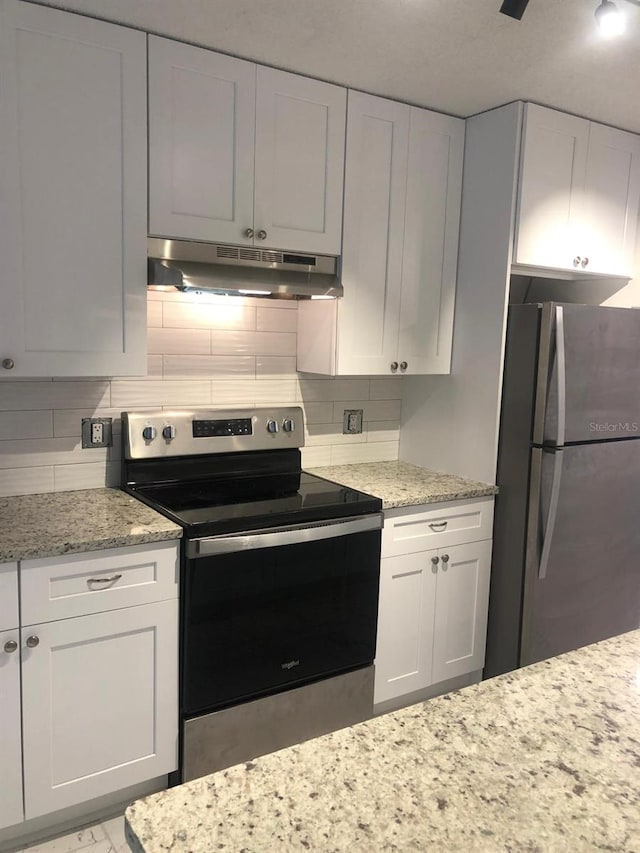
pixel 272 426
pixel 149 433
pixel 169 433
pixel 288 425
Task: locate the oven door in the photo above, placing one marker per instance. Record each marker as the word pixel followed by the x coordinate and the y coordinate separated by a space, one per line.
pixel 271 609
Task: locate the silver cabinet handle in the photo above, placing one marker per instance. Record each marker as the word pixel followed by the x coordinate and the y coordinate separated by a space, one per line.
pixel 262 234
pixel 435 560
pixel 33 641
pixel 394 365
pixel 585 262
pixel 111 579
pixel 8 363
pixel 438 525
pixel 248 233
pixel 577 261
pixel 10 646
pixel 403 365
pixel 445 558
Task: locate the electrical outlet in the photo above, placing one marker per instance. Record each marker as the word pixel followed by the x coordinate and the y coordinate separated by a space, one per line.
pixel 352 421
pixel 97 432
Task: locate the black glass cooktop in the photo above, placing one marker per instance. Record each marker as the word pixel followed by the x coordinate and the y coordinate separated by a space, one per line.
pixel 229 505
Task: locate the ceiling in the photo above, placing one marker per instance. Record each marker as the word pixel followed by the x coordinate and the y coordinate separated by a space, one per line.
pixel 456 56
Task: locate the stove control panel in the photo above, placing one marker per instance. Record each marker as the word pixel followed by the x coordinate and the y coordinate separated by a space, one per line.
pixel 152 434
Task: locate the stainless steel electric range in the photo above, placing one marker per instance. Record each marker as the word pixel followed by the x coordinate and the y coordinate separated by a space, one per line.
pixel 279 580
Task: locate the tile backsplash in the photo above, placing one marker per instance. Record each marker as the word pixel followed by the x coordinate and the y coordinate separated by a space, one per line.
pixel 209 351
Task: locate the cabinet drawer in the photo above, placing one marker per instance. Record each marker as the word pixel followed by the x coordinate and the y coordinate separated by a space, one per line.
pixel 79 584
pixel 8 596
pixel 412 529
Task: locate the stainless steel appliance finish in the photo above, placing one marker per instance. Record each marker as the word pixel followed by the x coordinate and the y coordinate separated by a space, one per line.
pixel 241 270
pixel 566 564
pixel 223 738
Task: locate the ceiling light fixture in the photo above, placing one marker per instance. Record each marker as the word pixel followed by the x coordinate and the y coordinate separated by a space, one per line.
pixel 610 21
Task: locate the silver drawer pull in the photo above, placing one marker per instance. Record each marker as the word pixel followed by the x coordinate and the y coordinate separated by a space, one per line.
pixel 438 525
pixel 111 579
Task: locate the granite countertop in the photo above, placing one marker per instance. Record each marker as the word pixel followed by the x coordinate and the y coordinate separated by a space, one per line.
pixel 401 484
pixel 546 758
pixel 66 522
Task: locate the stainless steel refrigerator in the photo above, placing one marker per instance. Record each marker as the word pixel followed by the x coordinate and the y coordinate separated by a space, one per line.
pixel 566 554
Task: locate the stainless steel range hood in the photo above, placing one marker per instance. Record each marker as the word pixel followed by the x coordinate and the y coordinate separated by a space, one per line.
pixel 241 270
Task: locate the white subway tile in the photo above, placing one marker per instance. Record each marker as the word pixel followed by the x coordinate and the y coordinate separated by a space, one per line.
pixel 276 366
pixel 32 453
pixel 26 481
pixel 318 413
pixel 22 396
pixel 225 342
pixel 32 424
pixel 251 392
pixel 94 475
pixel 179 341
pixel 134 394
pixel 273 320
pixel 154 367
pixel 323 434
pixel 204 315
pixel 382 430
pixel 68 422
pixel 376 451
pixel 333 389
pixel 154 314
pixel 374 410
pixel 187 366
pixel 315 457
pixel 386 389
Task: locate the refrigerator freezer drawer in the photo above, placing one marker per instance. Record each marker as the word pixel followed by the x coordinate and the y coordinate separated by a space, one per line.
pixel 411 529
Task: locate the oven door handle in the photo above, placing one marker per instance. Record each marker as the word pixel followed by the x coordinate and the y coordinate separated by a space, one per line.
pixel 276 537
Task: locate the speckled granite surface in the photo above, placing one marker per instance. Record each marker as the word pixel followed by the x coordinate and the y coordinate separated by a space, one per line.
pixel 401 484
pixel 65 522
pixel 546 758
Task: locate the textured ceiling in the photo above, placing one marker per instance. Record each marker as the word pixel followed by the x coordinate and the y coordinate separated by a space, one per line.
pixel 457 56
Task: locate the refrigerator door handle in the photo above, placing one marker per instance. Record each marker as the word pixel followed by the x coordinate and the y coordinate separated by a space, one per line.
pixel 561 376
pixel 552 514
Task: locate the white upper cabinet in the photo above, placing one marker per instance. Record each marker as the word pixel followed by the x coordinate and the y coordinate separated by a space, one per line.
pixel 243 154
pixel 72 195
pixel 403 183
pixel 579 195
pixel 201 143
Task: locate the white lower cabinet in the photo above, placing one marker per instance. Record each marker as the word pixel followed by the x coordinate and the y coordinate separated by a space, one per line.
pixel 89 704
pixel 432 617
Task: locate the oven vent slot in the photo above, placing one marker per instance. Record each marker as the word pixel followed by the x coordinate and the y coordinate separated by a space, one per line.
pixel 249 254
pixel 272 257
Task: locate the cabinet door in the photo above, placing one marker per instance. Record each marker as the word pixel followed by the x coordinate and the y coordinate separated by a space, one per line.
pixel 10 734
pixel 72 194
pixel 100 704
pixel 374 206
pixel 9 596
pixel 552 174
pixel 612 196
pixel 405 624
pixel 434 187
pixel 201 143
pixel 462 597
pixel 300 128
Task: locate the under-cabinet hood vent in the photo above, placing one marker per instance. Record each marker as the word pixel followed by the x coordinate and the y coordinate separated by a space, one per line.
pixel 243 271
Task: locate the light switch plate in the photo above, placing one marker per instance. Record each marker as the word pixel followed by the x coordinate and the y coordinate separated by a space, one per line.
pixel 97 432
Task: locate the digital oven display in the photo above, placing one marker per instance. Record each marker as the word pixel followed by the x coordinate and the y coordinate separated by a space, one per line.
pixel 210 429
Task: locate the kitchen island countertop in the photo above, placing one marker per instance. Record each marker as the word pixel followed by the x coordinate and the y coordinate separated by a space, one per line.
pixel 401 484
pixel 48 525
pixel 546 758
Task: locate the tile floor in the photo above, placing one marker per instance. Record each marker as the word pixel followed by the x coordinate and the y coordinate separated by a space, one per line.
pixel 106 837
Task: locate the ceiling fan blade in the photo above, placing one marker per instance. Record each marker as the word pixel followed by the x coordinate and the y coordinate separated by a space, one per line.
pixel 514 8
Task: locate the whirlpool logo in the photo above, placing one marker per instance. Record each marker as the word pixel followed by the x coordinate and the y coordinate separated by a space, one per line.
pixel 289 664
